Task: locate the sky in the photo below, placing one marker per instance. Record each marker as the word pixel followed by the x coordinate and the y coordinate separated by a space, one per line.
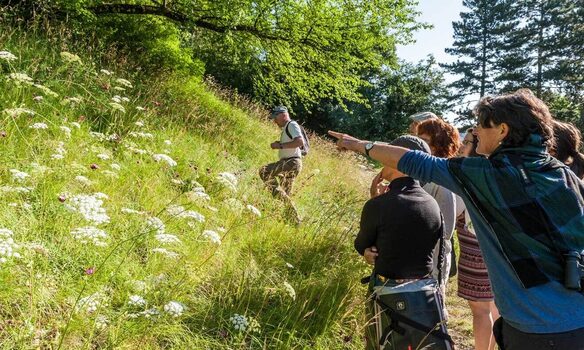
pixel 441 14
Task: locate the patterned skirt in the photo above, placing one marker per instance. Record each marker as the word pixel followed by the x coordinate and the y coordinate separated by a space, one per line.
pixel 473 278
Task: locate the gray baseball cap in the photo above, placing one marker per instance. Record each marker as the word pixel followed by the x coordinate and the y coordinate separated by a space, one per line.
pixel 421 116
pixel 277 110
pixel 411 142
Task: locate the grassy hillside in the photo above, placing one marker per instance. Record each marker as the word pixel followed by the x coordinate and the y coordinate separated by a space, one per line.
pixel 132 215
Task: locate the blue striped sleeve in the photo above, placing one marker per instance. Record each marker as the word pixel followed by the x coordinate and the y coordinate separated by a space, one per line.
pixel 427 168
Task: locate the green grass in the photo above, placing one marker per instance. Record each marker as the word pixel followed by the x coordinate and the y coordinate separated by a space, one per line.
pixel 210 131
pixel 42 292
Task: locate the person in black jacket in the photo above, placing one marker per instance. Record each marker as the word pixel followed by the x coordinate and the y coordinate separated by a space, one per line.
pixel 400 228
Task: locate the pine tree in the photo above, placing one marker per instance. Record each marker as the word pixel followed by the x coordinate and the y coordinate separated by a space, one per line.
pixel 479 37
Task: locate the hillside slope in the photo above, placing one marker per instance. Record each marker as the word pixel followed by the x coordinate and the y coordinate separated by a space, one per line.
pixel 132 215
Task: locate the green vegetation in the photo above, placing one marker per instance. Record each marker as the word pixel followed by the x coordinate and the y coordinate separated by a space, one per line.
pixel 114 288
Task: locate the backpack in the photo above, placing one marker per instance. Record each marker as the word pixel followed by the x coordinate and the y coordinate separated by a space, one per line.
pixel 306 148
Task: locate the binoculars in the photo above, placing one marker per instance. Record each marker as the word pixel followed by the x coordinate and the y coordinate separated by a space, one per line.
pixel 574 270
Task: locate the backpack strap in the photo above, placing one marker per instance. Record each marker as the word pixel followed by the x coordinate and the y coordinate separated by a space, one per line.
pixel 288 132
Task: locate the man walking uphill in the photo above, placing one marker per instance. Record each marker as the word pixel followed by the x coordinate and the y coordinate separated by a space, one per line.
pixel 288 167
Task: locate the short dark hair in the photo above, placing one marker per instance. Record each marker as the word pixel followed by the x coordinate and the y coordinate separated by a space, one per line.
pixel 522 111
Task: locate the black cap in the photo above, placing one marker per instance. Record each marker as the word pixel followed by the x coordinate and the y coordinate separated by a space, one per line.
pixel 411 142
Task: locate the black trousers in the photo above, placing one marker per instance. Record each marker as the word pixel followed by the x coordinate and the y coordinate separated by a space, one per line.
pixel 509 338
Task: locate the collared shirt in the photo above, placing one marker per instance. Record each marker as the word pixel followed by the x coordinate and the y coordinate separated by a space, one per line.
pixel 405 225
pixel 543 308
pixel 294 130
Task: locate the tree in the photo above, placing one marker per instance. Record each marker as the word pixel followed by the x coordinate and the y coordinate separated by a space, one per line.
pixel 480 37
pixel 294 51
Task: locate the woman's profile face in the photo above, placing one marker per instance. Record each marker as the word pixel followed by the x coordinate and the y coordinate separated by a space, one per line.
pixel 466 147
pixel 489 138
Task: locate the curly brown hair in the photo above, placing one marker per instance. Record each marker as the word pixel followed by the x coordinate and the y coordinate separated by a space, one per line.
pixel 444 138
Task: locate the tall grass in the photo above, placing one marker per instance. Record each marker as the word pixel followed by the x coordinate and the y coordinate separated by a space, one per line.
pixel 298 284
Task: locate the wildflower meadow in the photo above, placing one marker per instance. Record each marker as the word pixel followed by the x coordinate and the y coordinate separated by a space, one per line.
pixel 132 215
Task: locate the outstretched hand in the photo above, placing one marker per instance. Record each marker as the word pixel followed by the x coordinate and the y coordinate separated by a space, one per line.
pixel 344 141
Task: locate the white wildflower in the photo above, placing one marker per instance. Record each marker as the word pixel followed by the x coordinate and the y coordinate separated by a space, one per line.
pixel 8 248
pixel 139 124
pixel 72 100
pixel 212 236
pixel 289 290
pixel 181 212
pixel 101 322
pixel 177 181
pixel 103 156
pixel 213 209
pixel 144 135
pixel 90 235
pixel 125 99
pixel 138 285
pixel 70 57
pixel 7 56
pixel 17 112
pixel 239 322
pixel 57 156
pixel 166 238
pixel 228 180
pixel 254 210
pixel 167 253
pixel 111 174
pixel 91 303
pixel 197 196
pixel 66 130
pixel 164 158
pixel 46 90
pixel 76 125
pixel 10 189
pixel 18 175
pixel 20 78
pixel 106 72
pixel 98 135
pixel 140 108
pixel 117 107
pixel 155 223
pixel 167 142
pixel 136 300
pixel 38 98
pixel 90 207
pixel 174 308
pixel 124 82
pixel 83 180
pixel 116 166
pixel 138 150
pixel 39 126
pixel 117 99
pixel 119 88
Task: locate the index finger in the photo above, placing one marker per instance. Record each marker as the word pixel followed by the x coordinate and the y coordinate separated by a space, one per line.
pixel 336 134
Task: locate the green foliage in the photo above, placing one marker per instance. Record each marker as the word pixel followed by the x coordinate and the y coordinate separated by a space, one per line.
pixel 394 94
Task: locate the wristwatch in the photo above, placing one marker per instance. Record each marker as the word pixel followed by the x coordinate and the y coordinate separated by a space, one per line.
pixel 369 147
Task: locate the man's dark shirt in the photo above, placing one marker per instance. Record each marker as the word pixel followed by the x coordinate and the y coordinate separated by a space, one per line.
pixel 405 225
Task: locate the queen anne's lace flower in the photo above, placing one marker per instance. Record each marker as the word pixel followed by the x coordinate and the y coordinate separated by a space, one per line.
pixel 7 56
pixel 254 210
pixel 105 71
pixel 20 78
pixel 228 180
pixel 174 308
pixel 155 223
pixel 117 107
pixel 167 253
pixel 136 300
pixel 139 134
pixel 90 207
pixel 212 236
pixel 39 126
pixel 18 175
pixel 166 238
pixel 46 90
pixel 164 158
pixel 90 235
pixel 124 82
pixel 70 57
pixel 239 322
pixel 83 180
pixel 17 112
pixel 91 303
pixel 8 248
pixel 289 290
pixel 66 130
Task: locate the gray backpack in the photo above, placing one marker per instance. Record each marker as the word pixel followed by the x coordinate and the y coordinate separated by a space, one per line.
pixel 306 148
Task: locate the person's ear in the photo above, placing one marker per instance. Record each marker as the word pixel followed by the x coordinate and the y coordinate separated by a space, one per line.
pixel 503 131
